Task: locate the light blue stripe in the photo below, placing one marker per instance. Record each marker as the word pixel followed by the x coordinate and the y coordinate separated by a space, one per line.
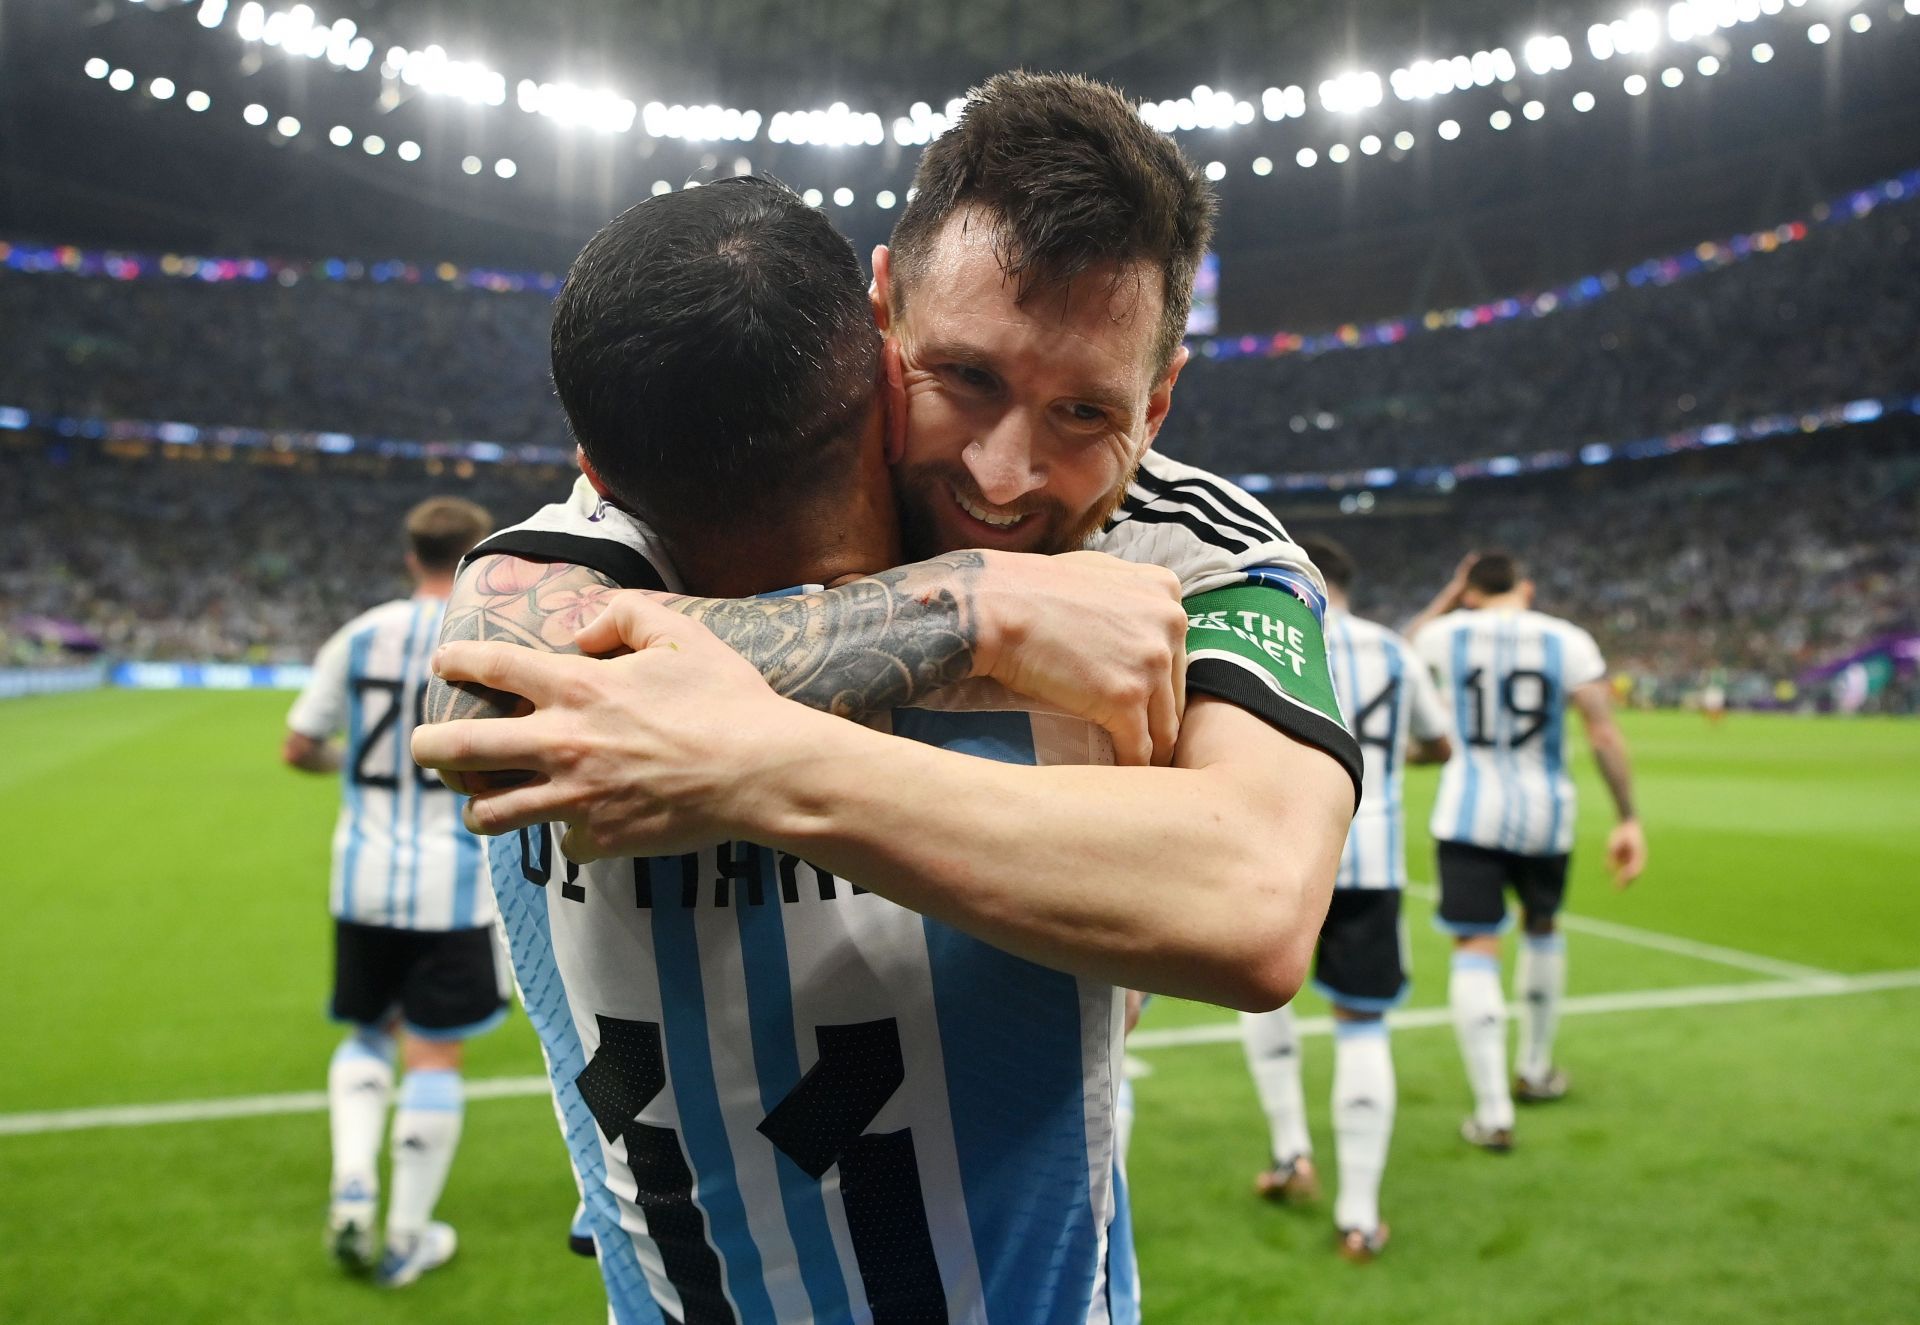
pixel 1359 1004
pixel 1475 961
pixel 683 1008
pixel 1554 942
pixel 1468 930
pixel 434 1089
pixel 1017 1099
pixel 1396 769
pixel 1503 733
pixel 403 768
pixel 402 784
pixel 776 1061
pixel 1350 873
pixel 1123 1267
pixel 468 857
pixel 1556 735
pixel 365 1042
pixel 523 908
pixel 356 733
pixel 1462 713
pixel 447 1034
pixel 1353 1030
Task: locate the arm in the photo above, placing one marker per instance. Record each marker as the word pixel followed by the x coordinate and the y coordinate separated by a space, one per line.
pixel 1446 600
pixel 319 711
pixel 1436 750
pixel 308 754
pixel 1627 844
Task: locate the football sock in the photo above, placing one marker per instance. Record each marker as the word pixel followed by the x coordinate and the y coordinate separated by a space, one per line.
pixel 1480 1023
pixel 1541 981
pixel 1273 1055
pixel 1363 1101
pixel 359 1085
pixel 426 1130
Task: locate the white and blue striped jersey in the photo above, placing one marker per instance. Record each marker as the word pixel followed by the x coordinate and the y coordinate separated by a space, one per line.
pixel 1387 697
pixel 1507 676
pixel 401 857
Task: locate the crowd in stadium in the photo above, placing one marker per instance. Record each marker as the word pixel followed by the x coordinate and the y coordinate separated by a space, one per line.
pixel 1767 562
pixel 1832 318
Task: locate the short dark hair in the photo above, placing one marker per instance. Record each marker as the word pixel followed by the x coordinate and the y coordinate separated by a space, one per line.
pixel 1495 572
pixel 1334 562
pixel 441 530
pixel 1072 179
pixel 715 352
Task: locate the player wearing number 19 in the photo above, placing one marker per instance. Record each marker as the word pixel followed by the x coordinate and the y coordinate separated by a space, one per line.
pixel 1504 818
pixel 414 913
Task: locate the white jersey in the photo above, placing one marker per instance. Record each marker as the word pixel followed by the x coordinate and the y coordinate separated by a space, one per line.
pixel 1387 697
pixel 401 857
pixel 1508 676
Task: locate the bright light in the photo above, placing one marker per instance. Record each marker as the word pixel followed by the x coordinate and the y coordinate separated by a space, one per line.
pixel 1279 103
pixel 470 164
pixel 373 144
pixel 836 126
pixel 1351 91
pixel 340 136
pixel 288 126
pixel 1634 84
pixel 1913 7
pixel 812 198
pixel 1500 119
pixel 1762 53
pixel 885 200
pixel 408 150
pixel 252 22
pixel 1338 154
pixel 1583 102
pixel 198 100
pixel 162 89
pixel 1305 157
pixel 98 68
pixel 505 168
pixel 843 197
pixel 1403 140
pixel 600 111
pixel 256 114
pixel 120 80
pixel 1370 144
pixel 1449 129
pixel 660 186
pixel 1544 55
pixel 1708 66
pixel 1672 77
pixel 1818 34
pixel 211 12
pixel 1216 170
pixel 1533 110
pixel 1262 165
pixel 1860 23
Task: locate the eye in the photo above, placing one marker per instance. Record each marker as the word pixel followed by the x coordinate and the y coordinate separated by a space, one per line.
pixel 1087 415
pixel 970 377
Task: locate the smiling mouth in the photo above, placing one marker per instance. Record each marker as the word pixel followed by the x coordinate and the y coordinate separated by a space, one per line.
pixel 982 514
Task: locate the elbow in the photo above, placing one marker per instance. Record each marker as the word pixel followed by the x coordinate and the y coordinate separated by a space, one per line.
pixel 1274 941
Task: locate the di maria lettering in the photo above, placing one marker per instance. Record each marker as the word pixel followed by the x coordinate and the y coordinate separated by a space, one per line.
pixel 730 874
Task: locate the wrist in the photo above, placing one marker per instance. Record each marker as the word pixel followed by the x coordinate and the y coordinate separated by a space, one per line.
pixel 993 613
pixel 777 794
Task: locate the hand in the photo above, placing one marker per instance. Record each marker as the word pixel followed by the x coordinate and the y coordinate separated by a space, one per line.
pixel 639 755
pixel 1094 636
pixel 1626 852
pixel 1457 585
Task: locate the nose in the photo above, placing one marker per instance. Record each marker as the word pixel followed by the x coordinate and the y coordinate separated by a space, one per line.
pixel 1004 463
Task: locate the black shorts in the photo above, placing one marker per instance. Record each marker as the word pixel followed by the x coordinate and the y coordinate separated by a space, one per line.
pixel 1474 882
pixel 1361 963
pixel 445 984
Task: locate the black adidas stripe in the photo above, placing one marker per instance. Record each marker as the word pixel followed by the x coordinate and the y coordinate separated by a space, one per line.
pixel 1194 489
pixel 625 566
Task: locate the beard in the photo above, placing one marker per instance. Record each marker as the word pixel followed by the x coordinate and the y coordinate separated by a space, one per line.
pixel 924 491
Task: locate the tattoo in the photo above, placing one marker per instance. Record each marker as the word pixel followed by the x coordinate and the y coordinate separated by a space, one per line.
pixel 537 604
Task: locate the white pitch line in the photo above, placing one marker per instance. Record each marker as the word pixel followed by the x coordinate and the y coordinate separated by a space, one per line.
pixel 1653 938
pixel 1636 1000
pixel 499 1088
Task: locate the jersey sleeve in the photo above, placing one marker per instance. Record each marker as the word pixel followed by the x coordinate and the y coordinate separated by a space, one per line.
pixel 1259 644
pixel 321 709
pixel 1583 661
pixel 1426 715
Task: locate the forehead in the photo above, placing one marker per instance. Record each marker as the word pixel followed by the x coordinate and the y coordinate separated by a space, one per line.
pixel 1105 321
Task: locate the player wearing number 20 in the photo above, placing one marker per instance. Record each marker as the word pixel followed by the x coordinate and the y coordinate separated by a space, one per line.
pixel 1505 815
pixel 414 913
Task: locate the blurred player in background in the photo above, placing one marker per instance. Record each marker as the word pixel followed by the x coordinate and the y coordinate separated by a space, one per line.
pixel 1505 817
pixel 414 912
pixel 1393 710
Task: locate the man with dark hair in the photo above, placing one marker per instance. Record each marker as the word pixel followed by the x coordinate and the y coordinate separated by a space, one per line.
pixel 413 915
pixel 1505 816
pixel 1393 710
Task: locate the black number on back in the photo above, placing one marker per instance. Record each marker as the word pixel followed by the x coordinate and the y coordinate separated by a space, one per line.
pixel 1380 734
pixel 381 727
pixel 1525 694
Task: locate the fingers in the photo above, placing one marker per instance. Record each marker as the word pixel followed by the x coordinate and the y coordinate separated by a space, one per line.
pixel 514 668
pixel 468 745
pixel 1132 741
pixel 635 620
pixel 495 812
pixel 1163 718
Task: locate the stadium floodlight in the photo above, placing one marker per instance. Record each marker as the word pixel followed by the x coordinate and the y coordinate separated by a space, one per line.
pixel 1583 102
pixel 885 200
pixel 255 114
pixel 288 126
pixel 1547 54
pixel 1263 165
pixel 1338 154
pixel 1354 91
pixel 1913 7
pixel 1216 171
pixel 198 100
pixel 1708 66
pixel 1818 34
pixel 1533 110
pixel 373 144
pixel 162 89
pixel 1860 23
pixel 1500 119
pixel 1305 158
pixel 505 168
pixel 1403 140
pixel 742 166
pixel 843 197
pixel 470 164
pixel 98 68
pixel 1762 52
pixel 812 197
pixel 1673 76
pixel 1281 103
pixel 212 13
pixel 340 136
pixel 660 186
pixel 252 23
pixel 1449 129
pixel 1370 144
pixel 120 80
pixel 1634 84
pixel 408 150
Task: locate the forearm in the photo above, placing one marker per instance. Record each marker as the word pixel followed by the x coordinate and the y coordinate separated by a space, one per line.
pixel 310 754
pixel 1610 753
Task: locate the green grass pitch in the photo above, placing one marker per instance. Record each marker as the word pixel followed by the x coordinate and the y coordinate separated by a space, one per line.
pixel 1737 1161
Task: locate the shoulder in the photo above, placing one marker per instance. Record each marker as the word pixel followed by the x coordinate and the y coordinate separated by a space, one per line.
pixel 374 618
pixel 1207 530
pixel 586 531
pixel 1437 632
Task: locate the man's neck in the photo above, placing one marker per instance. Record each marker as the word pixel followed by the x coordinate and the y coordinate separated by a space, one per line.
pixel 1504 602
pixel 434 586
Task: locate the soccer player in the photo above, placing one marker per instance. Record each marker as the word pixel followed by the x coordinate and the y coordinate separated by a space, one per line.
pixel 1396 715
pixel 1505 815
pixel 413 910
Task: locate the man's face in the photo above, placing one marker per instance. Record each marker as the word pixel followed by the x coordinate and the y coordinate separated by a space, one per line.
pixel 1024 423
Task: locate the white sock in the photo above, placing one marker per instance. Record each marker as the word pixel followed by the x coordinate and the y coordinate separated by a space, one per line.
pixel 1273 1056
pixel 1540 983
pixel 1480 1023
pixel 426 1130
pixel 1363 1102
pixel 359 1086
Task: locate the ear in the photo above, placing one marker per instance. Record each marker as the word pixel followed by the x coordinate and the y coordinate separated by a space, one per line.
pixel 880 293
pixel 893 392
pixel 1162 398
pixel 593 475
pixel 414 568
pixel 1526 592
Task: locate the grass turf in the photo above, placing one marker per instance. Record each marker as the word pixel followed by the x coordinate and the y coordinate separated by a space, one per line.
pixel 168 941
